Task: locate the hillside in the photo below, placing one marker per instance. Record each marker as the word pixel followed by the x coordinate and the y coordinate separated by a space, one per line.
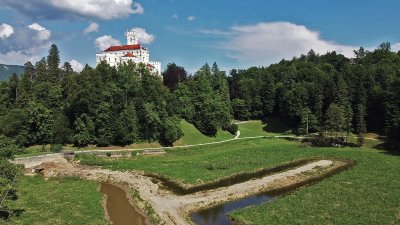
pixel 191 135
pixel 7 70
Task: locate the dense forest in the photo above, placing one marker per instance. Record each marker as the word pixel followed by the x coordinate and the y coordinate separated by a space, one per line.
pixel 327 92
pixel 104 106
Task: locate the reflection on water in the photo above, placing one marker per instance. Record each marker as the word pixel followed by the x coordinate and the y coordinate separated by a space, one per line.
pixel 120 211
pixel 218 214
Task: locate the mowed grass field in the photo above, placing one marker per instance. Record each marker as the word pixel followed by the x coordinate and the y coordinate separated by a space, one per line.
pixel 366 194
pixel 255 128
pixel 64 201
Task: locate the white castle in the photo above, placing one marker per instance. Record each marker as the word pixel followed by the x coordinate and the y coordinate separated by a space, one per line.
pixel 133 51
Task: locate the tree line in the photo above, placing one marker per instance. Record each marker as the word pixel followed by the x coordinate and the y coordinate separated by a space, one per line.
pixel 324 92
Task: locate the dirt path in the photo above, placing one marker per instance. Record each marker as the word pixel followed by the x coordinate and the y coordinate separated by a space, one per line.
pixel 171 208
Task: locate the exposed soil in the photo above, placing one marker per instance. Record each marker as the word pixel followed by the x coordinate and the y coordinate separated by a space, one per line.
pixel 172 208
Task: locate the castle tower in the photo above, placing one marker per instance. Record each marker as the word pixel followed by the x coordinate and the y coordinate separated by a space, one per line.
pixel 131 37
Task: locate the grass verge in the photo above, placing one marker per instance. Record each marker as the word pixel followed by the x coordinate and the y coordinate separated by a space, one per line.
pixel 183 189
pixel 67 200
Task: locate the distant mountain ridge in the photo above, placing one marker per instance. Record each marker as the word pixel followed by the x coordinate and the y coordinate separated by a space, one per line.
pixel 7 70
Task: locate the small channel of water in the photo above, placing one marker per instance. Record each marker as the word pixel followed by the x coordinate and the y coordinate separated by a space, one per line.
pixel 120 211
pixel 218 215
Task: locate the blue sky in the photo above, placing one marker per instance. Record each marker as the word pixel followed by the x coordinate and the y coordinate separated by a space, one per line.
pixel 235 34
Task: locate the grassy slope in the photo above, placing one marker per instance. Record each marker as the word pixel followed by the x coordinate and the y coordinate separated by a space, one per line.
pixel 57 202
pixel 191 136
pixel 254 128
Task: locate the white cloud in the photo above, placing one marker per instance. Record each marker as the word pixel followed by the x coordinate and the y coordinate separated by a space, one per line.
pixel 175 16
pixel 105 41
pixel 191 18
pixel 215 32
pixel 138 8
pixel 76 66
pixel 6 31
pixel 36 26
pixel 56 9
pixel 42 33
pixel 266 43
pixel 93 27
pixel 27 43
pixel 17 58
pixel 396 47
pixel 144 37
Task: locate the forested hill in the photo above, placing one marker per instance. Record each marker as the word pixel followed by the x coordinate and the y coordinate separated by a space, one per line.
pixel 50 104
pixel 325 92
pixel 7 70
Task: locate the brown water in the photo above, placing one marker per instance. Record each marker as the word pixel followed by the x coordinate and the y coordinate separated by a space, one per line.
pixel 120 211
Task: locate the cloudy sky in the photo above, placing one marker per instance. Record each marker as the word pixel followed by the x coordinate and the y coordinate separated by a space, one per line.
pixel 235 34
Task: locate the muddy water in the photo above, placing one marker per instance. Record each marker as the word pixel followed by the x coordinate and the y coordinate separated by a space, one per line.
pixel 218 215
pixel 119 210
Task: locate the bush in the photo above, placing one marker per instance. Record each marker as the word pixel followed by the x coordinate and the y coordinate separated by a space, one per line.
pixel 56 148
pixel 233 128
pixel 391 146
pixel 108 154
pixel 171 132
pixel 8 148
pixel 360 140
pixel 136 153
pixel 324 141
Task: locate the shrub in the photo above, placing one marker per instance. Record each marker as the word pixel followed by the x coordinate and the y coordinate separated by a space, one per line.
pixel 136 153
pixel 233 128
pixel 108 154
pixel 324 141
pixel 360 140
pixel 56 148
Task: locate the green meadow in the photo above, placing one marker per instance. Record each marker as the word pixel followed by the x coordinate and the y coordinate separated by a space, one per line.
pixel 66 200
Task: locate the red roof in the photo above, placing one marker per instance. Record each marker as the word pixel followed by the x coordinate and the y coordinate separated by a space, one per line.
pixel 123 47
pixel 129 55
pixel 149 65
